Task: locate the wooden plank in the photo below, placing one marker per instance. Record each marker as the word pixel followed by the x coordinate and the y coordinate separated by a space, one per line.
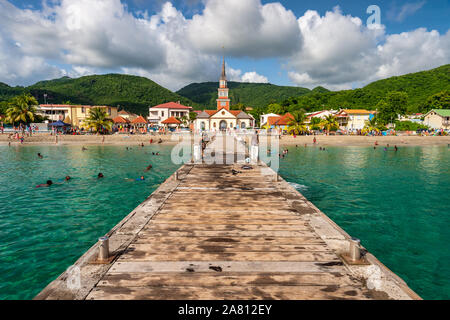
pixel 138 255
pixel 190 227
pixel 307 240
pixel 231 233
pixel 225 247
pixel 123 266
pixel 225 279
pixel 230 293
pixel 211 220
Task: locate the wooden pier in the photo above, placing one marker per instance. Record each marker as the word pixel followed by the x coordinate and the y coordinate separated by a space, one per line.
pixel 208 233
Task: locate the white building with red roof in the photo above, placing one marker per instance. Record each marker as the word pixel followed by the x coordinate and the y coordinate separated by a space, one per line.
pixel 158 114
pixel 223 118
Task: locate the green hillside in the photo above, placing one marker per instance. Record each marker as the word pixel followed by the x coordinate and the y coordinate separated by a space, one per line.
pixel 136 94
pixel 249 94
pixel 419 87
pixel 132 93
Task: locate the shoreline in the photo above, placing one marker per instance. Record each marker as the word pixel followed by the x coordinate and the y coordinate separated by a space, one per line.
pixel 364 141
pixel 286 141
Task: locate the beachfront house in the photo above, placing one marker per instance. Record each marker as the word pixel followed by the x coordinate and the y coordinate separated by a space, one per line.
pixel 352 120
pixel 265 117
pixel 279 123
pixel 438 119
pixel 160 113
pixel 75 115
pixel 127 115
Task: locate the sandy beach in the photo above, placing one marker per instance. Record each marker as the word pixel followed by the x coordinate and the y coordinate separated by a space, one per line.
pixel 361 141
pixel 122 139
pixel 343 141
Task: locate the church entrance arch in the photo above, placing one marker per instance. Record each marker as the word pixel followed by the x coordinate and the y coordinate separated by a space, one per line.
pixel 223 125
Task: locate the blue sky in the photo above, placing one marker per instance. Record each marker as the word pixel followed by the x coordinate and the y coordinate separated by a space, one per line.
pixel 355 57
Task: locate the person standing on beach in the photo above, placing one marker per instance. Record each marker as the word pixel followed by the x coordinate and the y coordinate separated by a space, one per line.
pixel 315 140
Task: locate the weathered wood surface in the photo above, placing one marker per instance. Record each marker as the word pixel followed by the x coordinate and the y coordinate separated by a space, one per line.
pixel 212 234
pixel 221 236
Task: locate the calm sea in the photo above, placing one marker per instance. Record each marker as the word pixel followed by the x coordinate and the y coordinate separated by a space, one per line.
pixel 397 203
pixel 43 231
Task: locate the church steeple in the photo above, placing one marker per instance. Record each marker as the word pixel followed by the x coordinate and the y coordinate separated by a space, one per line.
pixel 223 101
pixel 224 75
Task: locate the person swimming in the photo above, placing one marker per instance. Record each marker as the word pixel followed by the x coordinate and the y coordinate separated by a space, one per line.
pixel 40 156
pixel 67 178
pixel 83 149
pixel 396 149
pixel 45 185
pixel 141 178
pixel 148 168
pixel 100 175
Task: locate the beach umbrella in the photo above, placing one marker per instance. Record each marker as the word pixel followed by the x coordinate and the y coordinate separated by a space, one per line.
pixel 59 124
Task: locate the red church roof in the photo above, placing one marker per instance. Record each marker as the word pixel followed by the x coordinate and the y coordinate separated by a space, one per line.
pixel 171 105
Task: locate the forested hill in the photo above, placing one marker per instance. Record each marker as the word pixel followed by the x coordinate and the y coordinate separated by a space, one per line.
pixel 419 86
pixel 132 93
pixel 249 94
pixel 136 94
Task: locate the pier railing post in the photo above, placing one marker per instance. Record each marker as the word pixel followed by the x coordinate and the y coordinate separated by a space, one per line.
pixel 355 249
pixel 197 153
pixel 254 153
pixel 103 249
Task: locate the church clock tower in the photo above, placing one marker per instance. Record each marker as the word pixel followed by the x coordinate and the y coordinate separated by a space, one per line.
pixel 223 102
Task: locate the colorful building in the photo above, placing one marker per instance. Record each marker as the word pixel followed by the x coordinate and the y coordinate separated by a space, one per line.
pixel 158 114
pixel 72 114
pixel 438 119
pixel 354 119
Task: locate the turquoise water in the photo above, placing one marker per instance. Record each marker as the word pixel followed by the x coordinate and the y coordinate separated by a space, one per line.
pixel 43 231
pixel 397 203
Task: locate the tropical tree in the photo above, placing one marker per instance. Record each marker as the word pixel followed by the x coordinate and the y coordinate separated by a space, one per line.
pixel 4 105
pixel 192 116
pixel 297 123
pixel 440 100
pixel 239 106
pixel 395 104
pixel 276 108
pixel 315 123
pixel 330 123
pixel 22 109
pixel 98 120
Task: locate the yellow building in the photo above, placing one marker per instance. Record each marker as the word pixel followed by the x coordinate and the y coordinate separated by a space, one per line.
pixel 72 114
pixel 352 119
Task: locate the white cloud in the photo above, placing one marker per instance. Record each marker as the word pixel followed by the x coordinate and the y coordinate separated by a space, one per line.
pixel 245 28
pixel 339 52
pixel 97 36
pixel 408 9
pixel 253 77
pixel 250 77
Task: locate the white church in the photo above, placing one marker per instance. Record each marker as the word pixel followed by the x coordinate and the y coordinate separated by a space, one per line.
pixel 223 118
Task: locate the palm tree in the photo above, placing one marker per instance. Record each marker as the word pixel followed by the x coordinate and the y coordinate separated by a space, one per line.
pixel 329 123
pixel 297 123
pixel 98 120
pixel 22 109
